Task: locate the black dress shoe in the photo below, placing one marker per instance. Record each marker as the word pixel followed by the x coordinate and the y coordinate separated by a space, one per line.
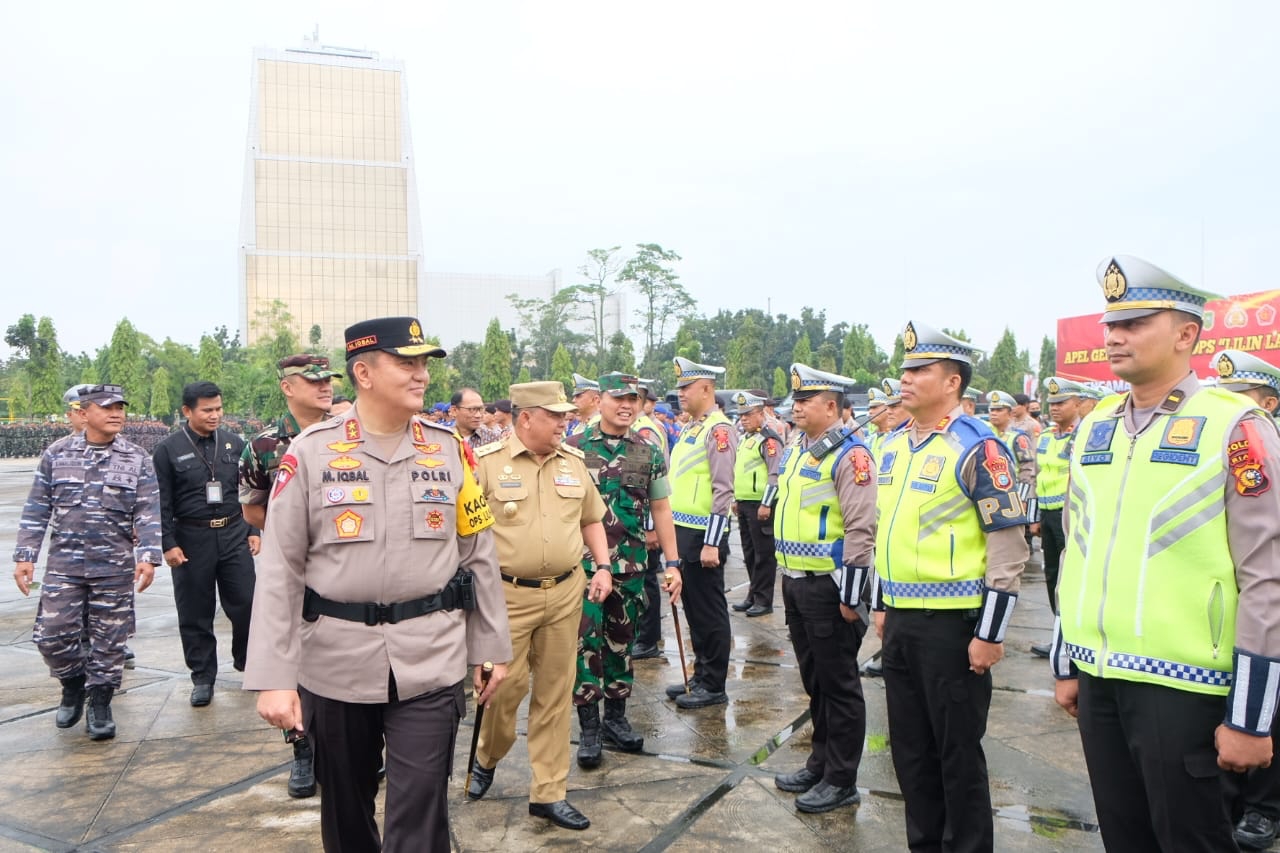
pixel 129 658
pixel 798 782
pixel 643 652
pixel 201 695
pixel 1255 831
pixel 873 668
pixel 302 774
pixel 561 814
pixel 1040 650
pixel 674 691
pixel 759 610
pixel 481 779
pixel 823 798
pixel 701 697
pixel 743 607
pixel 72 704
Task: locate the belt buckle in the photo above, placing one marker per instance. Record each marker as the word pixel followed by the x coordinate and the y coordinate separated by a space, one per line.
pixel 218 522
pixel 546 583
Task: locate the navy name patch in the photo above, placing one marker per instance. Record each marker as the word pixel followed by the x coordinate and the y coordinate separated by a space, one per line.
pixel 1095 459
pixel 1177 457
pixel 918 486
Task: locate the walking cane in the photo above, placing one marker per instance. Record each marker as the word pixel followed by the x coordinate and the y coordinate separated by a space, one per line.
pixel 675 617
pixel 486 670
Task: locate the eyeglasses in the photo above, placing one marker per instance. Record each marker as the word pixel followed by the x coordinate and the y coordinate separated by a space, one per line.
pixel 475 410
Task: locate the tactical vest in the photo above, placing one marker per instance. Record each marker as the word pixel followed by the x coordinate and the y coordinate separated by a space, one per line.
pixel 750 473
pixel 1053 458
pixel 691 496
pixel 931 551
pixel 1148 589
pixel 808 525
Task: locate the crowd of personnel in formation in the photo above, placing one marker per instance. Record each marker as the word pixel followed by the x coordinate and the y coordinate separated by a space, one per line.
pixel 375 560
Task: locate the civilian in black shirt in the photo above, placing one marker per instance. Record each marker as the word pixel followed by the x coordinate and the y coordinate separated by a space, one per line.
pixel 207 542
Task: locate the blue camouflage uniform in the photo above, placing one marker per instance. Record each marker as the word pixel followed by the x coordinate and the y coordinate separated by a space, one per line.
pixel 102 505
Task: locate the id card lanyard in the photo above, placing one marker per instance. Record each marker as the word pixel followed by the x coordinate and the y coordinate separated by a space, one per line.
pixel 213 488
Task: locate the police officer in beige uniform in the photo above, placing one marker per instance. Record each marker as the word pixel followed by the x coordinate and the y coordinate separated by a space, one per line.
pixel 373 595
pixel 546 507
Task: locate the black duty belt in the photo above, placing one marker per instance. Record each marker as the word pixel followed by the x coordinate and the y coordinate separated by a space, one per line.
pixel 537 583
pixel 208 522
pixel 458 594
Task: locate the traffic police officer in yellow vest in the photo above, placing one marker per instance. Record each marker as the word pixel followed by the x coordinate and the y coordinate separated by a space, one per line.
pixel 949 558
pixel 1255 796
pixel 1053 455
pixel 1168 642
pixel 825 533
pixel 755 487
pixel 701 499
pixel 1000 410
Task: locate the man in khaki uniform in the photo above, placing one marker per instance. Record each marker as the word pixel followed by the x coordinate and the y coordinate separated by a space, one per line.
pixel 545 507
pixel 377 585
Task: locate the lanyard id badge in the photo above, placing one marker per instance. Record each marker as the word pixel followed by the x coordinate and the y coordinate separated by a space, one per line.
pixel 213 492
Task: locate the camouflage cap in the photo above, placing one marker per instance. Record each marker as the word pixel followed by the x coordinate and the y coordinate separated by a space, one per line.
pixel 102 395
pixel 312 367
pixel 618 384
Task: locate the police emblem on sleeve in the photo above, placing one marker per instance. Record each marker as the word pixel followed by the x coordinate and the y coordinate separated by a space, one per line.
pixel 998 467
pixel 1225 367
pixel 1114 286
pixel 909 339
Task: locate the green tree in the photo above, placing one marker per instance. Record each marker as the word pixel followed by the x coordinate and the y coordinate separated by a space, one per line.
pixel 562 367
pixel 124 358
pixel 465 361
pixel 159 407
pixel 862 359
pixel 899 353
pixel 524 375
pixel 621 355
pixel 209 360
pixel 801 352
pixel 47 386
pixel 545 325
pixel 666 301
pixel 495 363
pixel 780 386
pixel 599 271
pixel 1048 360
pixel 1006 369
pixel 315 336
pixel 826 357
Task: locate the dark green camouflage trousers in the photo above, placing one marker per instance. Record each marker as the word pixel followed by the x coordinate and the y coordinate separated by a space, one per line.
pixel 60 623
pixel 605 636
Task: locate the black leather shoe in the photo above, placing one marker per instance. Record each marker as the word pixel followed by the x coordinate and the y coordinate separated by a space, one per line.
pixel 674 691
pixel 481 779
pixel 302 775
pixel 129 662
pixel 1255 831
pixel 823 798
pixel 561 814
pixel 798 782
pixel 1040 650
pixel 643 652
pixel 759 610
pixel 201 695
pixel 743 606
pixel 98 723
pixel 72 704
pixel 873 668
pixel 701 697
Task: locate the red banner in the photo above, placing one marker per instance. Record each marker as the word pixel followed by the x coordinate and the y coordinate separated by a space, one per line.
pixel 1247 323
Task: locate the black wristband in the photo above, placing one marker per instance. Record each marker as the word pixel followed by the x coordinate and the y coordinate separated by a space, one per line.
pixel 671 564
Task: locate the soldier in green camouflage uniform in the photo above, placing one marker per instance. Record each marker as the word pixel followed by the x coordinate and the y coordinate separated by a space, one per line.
pixel 631 475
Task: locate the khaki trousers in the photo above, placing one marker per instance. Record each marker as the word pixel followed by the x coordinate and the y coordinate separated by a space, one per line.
pixel 544 645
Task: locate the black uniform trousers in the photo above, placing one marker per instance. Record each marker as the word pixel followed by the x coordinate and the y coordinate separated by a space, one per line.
pixel 1154 767
pixel 758 553
pixel 1258 790
pixel 937 718
pixel 419 734
pixel 217 559
pixel 827 652
pixel 1053 542
pixel 649 631
pixel 706 607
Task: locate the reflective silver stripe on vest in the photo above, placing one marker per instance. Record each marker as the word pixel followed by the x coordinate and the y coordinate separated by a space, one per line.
pixel 822 494
pixel 689 463
pixel 939 589
pixel 1214 484
pixel 932 521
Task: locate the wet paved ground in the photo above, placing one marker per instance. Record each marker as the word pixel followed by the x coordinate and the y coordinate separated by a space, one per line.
pixel 178 777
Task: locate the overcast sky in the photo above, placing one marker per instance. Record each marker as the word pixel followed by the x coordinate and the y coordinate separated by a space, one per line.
pixel 959 164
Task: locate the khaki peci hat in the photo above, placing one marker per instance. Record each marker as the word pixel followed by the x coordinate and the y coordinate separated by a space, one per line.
pixel 547 395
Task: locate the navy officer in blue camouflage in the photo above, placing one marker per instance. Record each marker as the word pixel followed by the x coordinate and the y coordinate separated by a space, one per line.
pixel 97 494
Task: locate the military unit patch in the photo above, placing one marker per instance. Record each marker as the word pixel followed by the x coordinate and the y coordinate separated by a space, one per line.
pixel 348 524
pixel 288 467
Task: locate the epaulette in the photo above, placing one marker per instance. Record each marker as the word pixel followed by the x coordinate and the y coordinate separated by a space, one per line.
pixel 491 447
pixel 431 424
pixel 572 451
pixel 829 442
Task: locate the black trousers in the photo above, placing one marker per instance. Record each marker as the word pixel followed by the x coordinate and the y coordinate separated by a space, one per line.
pixel 419 734
pixel 217 560
pixel 1153 767
pixel 758 553
pixel 706 608
pixel 649 631
pixel 1258 790
pixel 937 719
pixel 1052 543
pixel 827 652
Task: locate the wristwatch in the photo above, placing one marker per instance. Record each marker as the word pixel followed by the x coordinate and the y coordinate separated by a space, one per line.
pixel 671 564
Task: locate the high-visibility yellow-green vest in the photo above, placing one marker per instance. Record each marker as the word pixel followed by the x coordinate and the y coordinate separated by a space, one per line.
pixel 931 551
pixel 691 496
pixel 808 525
pixel 750 473
pixel 1053 458
pixel 1148 589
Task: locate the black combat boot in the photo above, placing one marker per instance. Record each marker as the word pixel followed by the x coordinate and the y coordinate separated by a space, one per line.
pixel 98 722
pixel 589 748
pixel 302 775
pixel 617 730
pixel 72 705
